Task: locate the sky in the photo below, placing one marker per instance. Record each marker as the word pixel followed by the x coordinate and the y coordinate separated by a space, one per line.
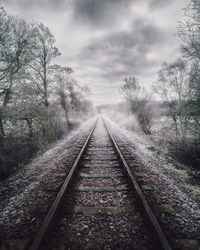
pixel 105 40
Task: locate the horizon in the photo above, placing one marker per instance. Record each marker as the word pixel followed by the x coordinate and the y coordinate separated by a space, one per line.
pixel 104 47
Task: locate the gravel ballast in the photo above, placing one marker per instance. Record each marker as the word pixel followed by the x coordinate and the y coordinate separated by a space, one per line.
pixel 28 194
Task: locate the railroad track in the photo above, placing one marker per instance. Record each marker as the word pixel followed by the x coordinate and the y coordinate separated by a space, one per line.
pixel 100 205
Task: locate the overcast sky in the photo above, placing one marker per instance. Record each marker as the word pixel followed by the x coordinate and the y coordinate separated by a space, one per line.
pixel 105 40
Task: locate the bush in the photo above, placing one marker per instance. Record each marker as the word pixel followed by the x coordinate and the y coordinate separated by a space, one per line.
pixel 18 151
pixel 187 151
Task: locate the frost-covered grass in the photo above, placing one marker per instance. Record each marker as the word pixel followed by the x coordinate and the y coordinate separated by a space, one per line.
pixel 155 155
pixel 172 177
pixel 20 147
pixel 182 147
pixel 15 189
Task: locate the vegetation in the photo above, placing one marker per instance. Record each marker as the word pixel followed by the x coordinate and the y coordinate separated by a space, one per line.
pixel 178 86
pixel 35 95
pixel 138 103
pixel 39 99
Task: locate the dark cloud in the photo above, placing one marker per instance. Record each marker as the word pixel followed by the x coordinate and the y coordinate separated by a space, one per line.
pixel 142 33
pixel 105 12
pixel 100 12
pixel 123 52
pixel 93 11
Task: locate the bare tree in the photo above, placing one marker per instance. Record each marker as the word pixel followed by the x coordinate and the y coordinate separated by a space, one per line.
pixel 63 84
pixel 15 42
pixel 173 86
pixel 15 54
pixel 139 102
pixel 194 82
pixel 28 117
pixel 44 52
pixel 189 31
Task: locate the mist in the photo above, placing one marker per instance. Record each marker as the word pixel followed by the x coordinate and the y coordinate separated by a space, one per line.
pixel 74 73
pixel 139 92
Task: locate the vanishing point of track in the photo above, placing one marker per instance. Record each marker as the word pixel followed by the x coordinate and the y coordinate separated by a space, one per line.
pixel 101 176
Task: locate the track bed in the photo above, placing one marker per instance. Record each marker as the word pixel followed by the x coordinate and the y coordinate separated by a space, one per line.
pixel 100 209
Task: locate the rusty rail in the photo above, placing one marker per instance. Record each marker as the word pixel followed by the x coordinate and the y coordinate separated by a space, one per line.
pixel 48 219
pixel 154 222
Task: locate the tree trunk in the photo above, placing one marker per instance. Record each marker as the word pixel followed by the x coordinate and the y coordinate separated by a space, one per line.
pixel 46 102
pixel 3 170
pixel 30 128
pixel 8 91
pixel 174 118
pixel 66 114
pixel 2 134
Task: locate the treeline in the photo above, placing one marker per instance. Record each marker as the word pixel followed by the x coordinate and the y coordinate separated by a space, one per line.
pixel 37 98
pixel 178 86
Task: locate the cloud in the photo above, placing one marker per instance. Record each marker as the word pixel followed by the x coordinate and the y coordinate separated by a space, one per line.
pixel 100 12
pixel 108 12
pixel 105 40
pixel 38 4
pixel 124 52
pixel 159 3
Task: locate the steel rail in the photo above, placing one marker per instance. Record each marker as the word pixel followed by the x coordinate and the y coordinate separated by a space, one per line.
pixel 154 222
pixel 48 219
